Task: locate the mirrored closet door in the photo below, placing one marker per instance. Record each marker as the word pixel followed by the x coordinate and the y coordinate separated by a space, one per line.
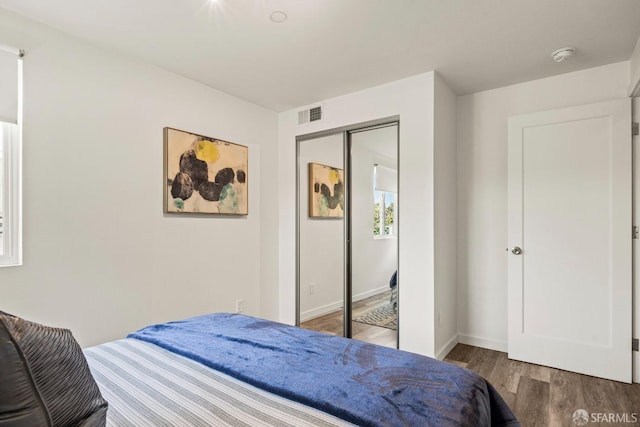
pixel 347 226
pixel 321 233
pixel 373 188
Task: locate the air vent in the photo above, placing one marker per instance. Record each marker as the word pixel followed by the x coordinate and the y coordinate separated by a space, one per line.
pixel 315 114
pixel 311 115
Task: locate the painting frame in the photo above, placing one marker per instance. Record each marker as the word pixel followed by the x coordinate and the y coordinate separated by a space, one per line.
pixel 204 175
pixel 326 191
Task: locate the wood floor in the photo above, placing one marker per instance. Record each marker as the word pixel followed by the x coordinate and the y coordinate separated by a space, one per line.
pixel 542 396
pixel 332 323
pixel 538 395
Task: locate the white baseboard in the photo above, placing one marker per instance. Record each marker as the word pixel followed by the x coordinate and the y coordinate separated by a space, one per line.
pixel 320 311
pixel 447 348
pixel 483 342
pixel 337 305
pixel 370 293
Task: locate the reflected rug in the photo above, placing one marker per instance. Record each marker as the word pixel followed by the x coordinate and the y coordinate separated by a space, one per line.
pixel 383 316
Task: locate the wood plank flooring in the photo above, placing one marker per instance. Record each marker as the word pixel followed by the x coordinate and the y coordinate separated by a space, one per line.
pixel 543 396
pixel 332 323
pixel 538 395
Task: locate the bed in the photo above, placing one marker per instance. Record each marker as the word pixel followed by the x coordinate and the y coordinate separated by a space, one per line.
pixel 235 370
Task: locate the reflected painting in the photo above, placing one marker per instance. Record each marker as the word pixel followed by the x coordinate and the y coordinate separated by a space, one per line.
pixel 326 191
pixel 204 175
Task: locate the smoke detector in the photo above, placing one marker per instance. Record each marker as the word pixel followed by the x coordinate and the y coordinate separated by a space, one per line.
pixel 563 53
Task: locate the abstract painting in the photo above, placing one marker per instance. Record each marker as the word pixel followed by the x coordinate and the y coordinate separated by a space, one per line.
pixel 204 175
pixel 326 191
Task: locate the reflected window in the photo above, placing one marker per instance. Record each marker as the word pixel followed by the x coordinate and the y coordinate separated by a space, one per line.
pixel 384 201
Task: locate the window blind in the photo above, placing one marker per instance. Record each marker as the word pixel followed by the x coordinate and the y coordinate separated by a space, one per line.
pixel 386 179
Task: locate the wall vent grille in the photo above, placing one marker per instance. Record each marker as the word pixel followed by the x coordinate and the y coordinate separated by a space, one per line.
pixel 311 115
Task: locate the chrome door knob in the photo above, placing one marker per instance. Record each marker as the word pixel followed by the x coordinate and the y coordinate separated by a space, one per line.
pixel 516 251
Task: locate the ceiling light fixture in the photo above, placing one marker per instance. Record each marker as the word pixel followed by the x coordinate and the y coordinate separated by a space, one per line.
pixel 563 53
pixel 278 17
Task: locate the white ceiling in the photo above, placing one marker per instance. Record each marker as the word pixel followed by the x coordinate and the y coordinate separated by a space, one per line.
pixel 331 47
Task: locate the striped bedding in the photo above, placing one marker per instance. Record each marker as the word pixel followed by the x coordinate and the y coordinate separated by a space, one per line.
pixel 146 385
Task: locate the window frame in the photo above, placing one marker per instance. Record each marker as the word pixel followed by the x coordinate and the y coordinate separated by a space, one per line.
pixel 11 140
pixel 383 213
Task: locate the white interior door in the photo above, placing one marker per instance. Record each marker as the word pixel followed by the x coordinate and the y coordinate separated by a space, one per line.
pixel 570 216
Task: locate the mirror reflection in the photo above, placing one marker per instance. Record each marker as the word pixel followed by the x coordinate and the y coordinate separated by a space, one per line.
pixel 321 234
pixel 374 233
pixel 372 225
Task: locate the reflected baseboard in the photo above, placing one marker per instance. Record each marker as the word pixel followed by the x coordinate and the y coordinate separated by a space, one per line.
pixel 320 311
pixel 335 306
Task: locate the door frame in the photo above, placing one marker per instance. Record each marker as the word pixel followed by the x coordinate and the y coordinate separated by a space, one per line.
pixel 635 170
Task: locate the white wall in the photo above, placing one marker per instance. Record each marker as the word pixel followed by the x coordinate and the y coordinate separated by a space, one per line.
pixel 373 259
pixel 634 71
pixel 321 240
pixel 445 205
pixel 482 187
pixel 412 100
pixel 100 257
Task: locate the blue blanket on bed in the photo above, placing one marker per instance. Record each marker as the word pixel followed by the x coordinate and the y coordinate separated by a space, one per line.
pixel 362 383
